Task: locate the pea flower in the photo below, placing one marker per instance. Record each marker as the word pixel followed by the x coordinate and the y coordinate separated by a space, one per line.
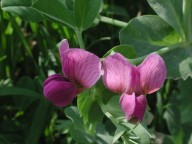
pixel 81 70
pixel 133 82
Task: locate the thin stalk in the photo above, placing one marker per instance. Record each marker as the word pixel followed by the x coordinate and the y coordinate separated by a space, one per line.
pixel 187 18
pixel 98 41
pixel 160 52
pixel 80 39
pixel 113 21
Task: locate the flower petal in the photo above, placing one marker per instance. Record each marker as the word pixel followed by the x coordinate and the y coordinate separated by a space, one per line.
pixel 152 73
pixel 141 104
pixel 133 106
pixel 63 46
pixel 117 75
pixel 135 83
pixel 59 90
pixel 81 67
pixel 128 104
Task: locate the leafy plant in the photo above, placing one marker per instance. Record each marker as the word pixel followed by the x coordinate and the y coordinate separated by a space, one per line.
pixel 30 32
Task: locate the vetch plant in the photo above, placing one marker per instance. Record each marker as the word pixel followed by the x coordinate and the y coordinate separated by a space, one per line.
pixel 81 70
pixel 133 82
pixel 107 110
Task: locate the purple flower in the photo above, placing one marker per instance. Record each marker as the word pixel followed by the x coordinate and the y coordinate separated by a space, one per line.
pixel 81 70
pixel 133 82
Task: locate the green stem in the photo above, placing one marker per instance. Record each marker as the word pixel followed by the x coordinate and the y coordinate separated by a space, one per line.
pixel 187 18
pixel 160 52
pixel 113 21
pixel 98 41
pixel 80 39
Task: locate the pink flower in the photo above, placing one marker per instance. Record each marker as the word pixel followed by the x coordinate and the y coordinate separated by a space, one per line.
pixel 133 82
pixel 81 70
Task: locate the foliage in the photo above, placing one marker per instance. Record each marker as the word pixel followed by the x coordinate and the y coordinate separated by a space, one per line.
pixel 30 32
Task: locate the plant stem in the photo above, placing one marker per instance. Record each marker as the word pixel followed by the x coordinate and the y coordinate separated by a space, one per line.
pixel 80 39
pixel 162 51
pixel 187 18
pixel 113 21
pixel 169 48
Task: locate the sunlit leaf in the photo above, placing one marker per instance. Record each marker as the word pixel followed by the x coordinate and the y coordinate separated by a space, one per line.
pixel 149 34
pixel 88 106
pixel 126 50
pixel 86 12
pixel 170 11
pixel 80 16
pixel 56 10
pixel 21 8
pixel 77 130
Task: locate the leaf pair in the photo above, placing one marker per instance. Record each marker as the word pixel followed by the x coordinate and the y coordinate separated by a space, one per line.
pixel 78 14
pixel 165 34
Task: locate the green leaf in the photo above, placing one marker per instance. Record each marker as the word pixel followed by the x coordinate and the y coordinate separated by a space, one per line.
pixel 22 8
pixel 73 114
pixel 178 63
pixel 141 134
pixel 70 4
pixel 22 101
pixel 148 34
pixel 101 93
pixel 8 91
pixel 178 112
pixel 77 130
pixel 117 117
pixel 102 136
pixel 118 133
pixel 126 50
pixel 39 122
pixel 172 117
pixel 185 100
pixel 82 133
pixel 63 125
pixel 113 111
pixel 80 17
pixel 113 107
pixel 88 106
pixel 170 11
pixel 56 10
pixel 86 12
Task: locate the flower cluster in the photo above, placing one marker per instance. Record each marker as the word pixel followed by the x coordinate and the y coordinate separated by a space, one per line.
pixel 82 69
